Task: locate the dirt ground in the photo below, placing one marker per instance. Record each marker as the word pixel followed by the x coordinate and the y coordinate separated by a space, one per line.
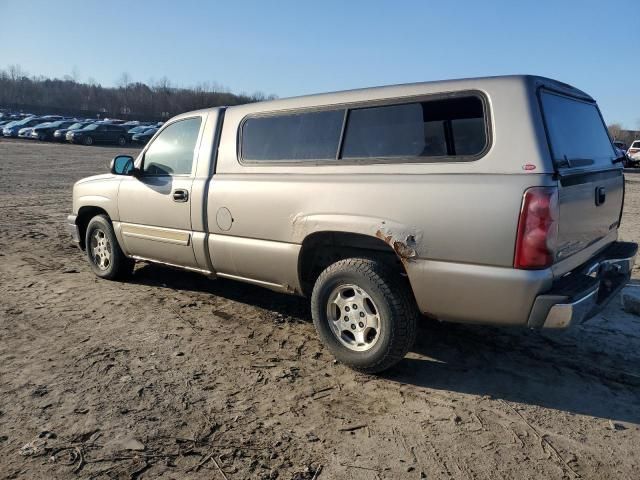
pixel 171 375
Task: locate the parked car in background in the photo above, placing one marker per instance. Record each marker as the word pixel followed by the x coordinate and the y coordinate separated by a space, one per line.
pixel 25 132
pixel 60 134
pixel 52 118
pixel 13 129
pixel 620 145
pixel 8 125
pixel 98 133
pixel 45 131
pixel 627 161
pixel 134 123
pixel 12 122
pixel 634 150
pixel 112 121
pixel 137 131
pixel 144 136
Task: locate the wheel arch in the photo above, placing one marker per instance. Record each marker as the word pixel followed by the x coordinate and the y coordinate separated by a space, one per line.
pixel 85 214
pixel 324 247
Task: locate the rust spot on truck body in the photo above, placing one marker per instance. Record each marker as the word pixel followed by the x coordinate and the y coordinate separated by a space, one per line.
pixel 403 248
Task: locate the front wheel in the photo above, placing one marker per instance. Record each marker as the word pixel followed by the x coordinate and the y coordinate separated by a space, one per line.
pixel 103 251
pixel 122 141
pixel 364 313
pixel 88 141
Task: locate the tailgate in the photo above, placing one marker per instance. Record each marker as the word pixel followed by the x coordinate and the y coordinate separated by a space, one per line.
pixel 589 207
pixel 591 184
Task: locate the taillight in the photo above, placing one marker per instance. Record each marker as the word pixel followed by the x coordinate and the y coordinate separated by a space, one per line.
pixel 537 228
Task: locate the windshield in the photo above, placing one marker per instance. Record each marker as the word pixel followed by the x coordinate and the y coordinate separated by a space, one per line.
pixel 577 135
pixel 45 124
pixel 76 126
pixel 93 126
pixel 150 131
pixel 635 144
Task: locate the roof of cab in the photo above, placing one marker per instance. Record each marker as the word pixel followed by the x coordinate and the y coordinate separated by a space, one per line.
pixel 406 89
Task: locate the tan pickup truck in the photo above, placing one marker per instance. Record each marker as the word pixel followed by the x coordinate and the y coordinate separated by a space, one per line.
pixel 489 200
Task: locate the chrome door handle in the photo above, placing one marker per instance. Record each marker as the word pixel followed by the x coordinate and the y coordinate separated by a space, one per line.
pixel 180 195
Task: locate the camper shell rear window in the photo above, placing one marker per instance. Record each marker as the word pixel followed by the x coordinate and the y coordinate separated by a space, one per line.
pixel 576 132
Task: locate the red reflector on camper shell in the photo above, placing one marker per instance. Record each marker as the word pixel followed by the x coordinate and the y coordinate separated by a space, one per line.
pixel 528 166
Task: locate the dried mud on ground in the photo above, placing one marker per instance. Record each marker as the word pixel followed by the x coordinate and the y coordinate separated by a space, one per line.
pixel 170 375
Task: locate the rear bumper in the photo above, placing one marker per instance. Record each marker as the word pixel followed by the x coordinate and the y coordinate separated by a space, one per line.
pixel 578 296
pixel 72 229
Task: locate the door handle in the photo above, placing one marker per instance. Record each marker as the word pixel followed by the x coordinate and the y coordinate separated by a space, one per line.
pixel 180 195
pixel 601 196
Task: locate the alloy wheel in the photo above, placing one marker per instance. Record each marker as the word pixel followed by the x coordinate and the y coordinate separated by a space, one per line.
pixel 353 317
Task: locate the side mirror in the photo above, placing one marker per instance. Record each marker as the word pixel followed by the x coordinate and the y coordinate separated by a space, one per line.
pixel 122 165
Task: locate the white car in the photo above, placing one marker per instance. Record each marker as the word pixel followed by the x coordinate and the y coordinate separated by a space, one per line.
pixel 25 132
pixel 634 150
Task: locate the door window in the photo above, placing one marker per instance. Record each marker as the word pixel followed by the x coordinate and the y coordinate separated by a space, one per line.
pixel 171 152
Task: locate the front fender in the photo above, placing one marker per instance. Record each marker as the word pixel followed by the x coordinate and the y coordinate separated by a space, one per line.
pixel 101 193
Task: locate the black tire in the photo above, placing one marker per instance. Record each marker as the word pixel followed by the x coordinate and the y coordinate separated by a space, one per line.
pixel 88 141
pixel 122 141
pixel 396 309
pixel 117 265
pixel 42 137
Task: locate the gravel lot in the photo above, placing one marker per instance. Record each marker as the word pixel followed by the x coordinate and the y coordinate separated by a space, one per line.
pixel 171 375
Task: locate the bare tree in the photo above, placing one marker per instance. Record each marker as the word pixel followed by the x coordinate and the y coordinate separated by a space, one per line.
pixel 124 80
pixel 615 129
pixel 15 72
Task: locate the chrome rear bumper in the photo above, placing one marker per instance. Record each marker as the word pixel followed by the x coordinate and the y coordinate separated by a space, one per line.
pixel 578 296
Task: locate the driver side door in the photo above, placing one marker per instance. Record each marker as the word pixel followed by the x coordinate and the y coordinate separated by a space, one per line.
pixel 155 205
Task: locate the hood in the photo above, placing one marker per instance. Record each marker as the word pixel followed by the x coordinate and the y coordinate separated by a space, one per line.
pixel 93 178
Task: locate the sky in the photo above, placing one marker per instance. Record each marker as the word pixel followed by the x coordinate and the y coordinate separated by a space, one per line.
pixel 290 48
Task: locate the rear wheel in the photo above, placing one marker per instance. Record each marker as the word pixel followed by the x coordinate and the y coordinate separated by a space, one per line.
pixel 365 314
pixel 103 251
pixel 122 141
pixel 88 140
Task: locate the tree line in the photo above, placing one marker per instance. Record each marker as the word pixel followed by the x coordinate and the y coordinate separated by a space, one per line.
pixel 626 136
pixel 128 100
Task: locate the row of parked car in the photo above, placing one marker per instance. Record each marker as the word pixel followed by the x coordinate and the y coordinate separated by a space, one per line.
pixel 74 130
